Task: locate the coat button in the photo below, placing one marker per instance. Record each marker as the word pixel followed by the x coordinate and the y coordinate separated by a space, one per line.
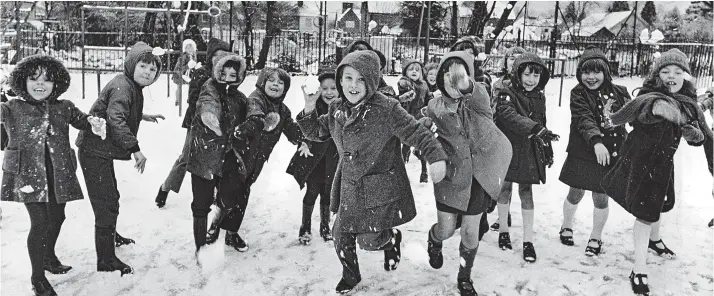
pixel 614 154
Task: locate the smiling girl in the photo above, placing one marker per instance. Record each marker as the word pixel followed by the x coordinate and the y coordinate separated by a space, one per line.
pixel 642 180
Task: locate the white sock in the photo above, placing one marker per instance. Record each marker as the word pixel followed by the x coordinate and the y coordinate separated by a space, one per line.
pixel 568 214
pixel 641 235
pixel 599 220
pixel 528 225
pixel 503 217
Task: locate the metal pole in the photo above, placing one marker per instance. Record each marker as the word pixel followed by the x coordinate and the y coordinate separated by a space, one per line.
pixel 319 37
pixel 553 37
pixel 428 28
pixel 525 19
pixel 180 98
pixel 99 83
pixel 210 23
pixel 230 23
pixel 634 40
pixel 126 28
pixel 83 54
pixel 169 49
pixel 562 75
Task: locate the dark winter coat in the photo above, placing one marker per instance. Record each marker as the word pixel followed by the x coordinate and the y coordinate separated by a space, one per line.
pixel 206 150
pixel 199 77
pixel 371 191
pixel 420 88
pixel 478 46
pixel 263 142
pixel 644 174
pixel 35 128
pixel 121 103
pixel 180 68
pixel 301 168
pixel 476 148
pixel 517 114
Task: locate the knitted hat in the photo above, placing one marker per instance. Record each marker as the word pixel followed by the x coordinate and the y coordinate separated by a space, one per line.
pixel 510 52
pixel 593 53
pixel 671 57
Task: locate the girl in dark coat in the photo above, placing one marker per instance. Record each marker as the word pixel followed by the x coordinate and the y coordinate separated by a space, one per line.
pixel 413 95
pixel 478 157
pixel 430 69
pixel 593 143
pixel 212 157
pixel 520 114
pixel 183 63
pixel 318 171
pixel 642 180
pixel 39 165
pixel 371 192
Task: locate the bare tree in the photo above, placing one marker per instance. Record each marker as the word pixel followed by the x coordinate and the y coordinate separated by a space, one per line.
pixel 479 17
pixel 271 30
pixel 501 23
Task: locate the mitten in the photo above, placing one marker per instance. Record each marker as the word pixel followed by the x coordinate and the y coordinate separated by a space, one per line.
pixel 692 133
pixel 271 121
pixel 541 132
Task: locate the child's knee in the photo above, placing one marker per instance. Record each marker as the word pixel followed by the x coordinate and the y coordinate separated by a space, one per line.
pixel 575 195
pixel 444 230
pixel 506 192
pixel 600 200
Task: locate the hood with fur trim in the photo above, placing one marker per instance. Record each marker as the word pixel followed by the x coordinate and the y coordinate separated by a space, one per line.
pixel 187 43
pixel 366 62
pixel 214 45
pixel 529 58
pixel 465 58
pixel 225 58
pixel 132 58
pixel 18 76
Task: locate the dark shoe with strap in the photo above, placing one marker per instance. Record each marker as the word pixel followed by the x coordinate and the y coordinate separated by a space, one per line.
pixel 343 287
pixel 436 258
pixel 212 234
pixel 566 239
pixel 529 253
pixel 161 198
pixel 593 251
pixel 120 240
pixel 234 240
pixel 504 241
pixel 393 255
pixel 466 287
pixel 41 287
pixel 496 226
pixel 639 284
pixel 662 252
pixel 54 266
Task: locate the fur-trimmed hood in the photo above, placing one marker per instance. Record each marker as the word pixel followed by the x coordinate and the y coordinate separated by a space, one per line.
pixel 225 58
pixel 54 68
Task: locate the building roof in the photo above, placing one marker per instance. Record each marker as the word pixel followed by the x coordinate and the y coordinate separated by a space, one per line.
pixel 348 11
pixel 386 7
pixel 597 21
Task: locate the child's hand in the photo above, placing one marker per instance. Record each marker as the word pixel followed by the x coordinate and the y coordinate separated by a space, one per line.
pixel 211 122
pixel 271 121
pixel 407 96
pixel 191 64
pixel 304 150
pixel 428 123
pixel 437 171
pixel 310 99
pixel 152 117
pixel 99 126
pixel 603 156
pixel 140 160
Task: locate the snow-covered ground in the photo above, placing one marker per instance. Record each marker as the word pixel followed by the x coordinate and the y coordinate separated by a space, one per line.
pixel 277 265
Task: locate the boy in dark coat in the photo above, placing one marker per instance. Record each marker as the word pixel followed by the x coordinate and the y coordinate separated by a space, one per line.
pixel 479 156
pixel 371 192
pixel 121 102
pixel 198 78
pixel 520 114
pixel 413 95
pixel 593 143
pixel 213 156
pixel 39 165
pixel 642 180
pixel 318 171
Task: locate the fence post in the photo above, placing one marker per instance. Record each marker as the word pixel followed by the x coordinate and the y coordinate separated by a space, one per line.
pixel 562 75
pixel 637 67
pixel 99 83
pixel 83 54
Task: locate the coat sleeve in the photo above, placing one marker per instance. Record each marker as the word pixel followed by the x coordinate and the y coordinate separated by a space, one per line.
pixel 411 133
pixel 117 113
pixel 508 117
pixel 4 112
pixel 313 126
pixel 292 129
pixel 584 117
pixel 77 118
pixel 198 78
pixel 208 101
pixel 254 122
pixel 479 100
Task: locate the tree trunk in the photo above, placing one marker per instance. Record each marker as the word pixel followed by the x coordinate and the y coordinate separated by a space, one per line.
pixel 477 15
pixel 271 30
pixel 501 24
pixel 247 35
pixel 150 23
pixel 454 20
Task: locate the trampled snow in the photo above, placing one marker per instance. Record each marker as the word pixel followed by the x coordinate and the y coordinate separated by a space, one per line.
pixel 276 264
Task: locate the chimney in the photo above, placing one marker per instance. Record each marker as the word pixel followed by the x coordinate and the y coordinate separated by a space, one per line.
pixel 346 5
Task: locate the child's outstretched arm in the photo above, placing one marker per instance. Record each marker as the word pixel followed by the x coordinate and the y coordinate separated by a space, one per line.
pixel 208 107
pixel 314 127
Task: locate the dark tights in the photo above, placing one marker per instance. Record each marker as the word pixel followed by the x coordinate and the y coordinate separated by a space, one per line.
pixel 314 189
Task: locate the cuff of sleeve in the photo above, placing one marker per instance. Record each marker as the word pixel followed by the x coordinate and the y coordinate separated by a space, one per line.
pixel 134 149
pixel 595 140
pixel 536 129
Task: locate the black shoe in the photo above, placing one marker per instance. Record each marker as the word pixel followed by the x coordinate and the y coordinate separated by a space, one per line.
pixel 325 232
pixel 114 264
pixel 120 240
pixel 41 287
pixel 593 251
pixel 529 253
pixel 663 252
pixel 234 240
pixel 641 287
pixel 393 255
pixel 504 241
pixel 305 235
pixel 212 234
pixel 343 287
pixel 436 258
pixel 106 256
pixel 711 223
pixel 466 287
pixel 424 178
pixel 566 239
pixel 161 198
pixel 496 226
pixel 54 266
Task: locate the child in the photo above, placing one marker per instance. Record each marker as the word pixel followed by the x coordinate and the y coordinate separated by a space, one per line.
pixel 664 111
pixel 121 102
pixel 413 93
pixel 267 118
pixel 317 171
pixel 188 54
pixel 213 157
pixel 520 114
pixel 383 87
pixel 479 156
pixel 475 47
pixel 198 78
pixel 39 165
pixel 431 69
pixel 371 192
pixel 593 144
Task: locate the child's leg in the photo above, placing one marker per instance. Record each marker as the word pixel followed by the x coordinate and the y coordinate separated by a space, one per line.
pixel 469 245
pixel 55 213
pixel 178 170
pixel 200 207
pixel 325 211
pixel 570 205
pixel 504 202
pixel 444 227
pixel 36 239
pixel 233 194
pixel 600 214
pixel 346 249
pixel 526 193
pixel 641 234
pixel 102 189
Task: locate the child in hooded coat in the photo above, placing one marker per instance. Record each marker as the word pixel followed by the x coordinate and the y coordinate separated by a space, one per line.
pixel 371 192
pixel 431 69
pixel 213 157
pixel 317 171
pixel 479 155
pixel 383 87
pixel 593 143
pixel 413 95
pixel 267 117
pixel 664 111
pixel 121 102
pixel 475 47
pixel 43 176
pixel 188 54
pixel 198 78
pixel 520 114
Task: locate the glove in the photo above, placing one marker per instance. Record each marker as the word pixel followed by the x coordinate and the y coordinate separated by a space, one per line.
pixel 428 123
pixel 543 133
pixel 240 141
pixel 692 133
pixel 548 150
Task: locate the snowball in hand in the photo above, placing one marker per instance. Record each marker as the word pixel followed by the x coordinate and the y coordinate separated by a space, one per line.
pixel 99 126
pixel 312 85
